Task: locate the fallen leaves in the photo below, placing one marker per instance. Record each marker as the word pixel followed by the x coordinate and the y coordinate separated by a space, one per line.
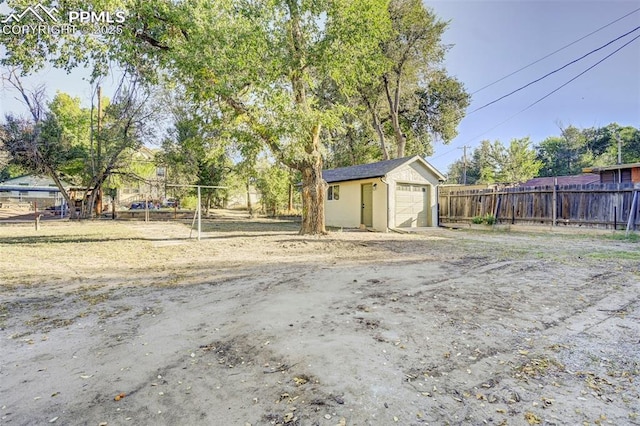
pixel 532 419
pixel 537 367
pixel 300 380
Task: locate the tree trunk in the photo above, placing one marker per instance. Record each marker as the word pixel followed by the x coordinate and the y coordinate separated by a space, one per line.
pixel 394 104
pixel 70 203
pixel 313 188
pixel 378 126
pixel 312 199
pixel 290 203
pixel 249 205
pixel 98 203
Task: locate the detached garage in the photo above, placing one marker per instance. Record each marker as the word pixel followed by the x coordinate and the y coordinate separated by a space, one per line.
pixel 399 193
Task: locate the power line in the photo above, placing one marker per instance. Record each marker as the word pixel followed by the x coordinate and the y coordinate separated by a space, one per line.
pixel 554 90
pixel 554 52
pixel 555 71
pixel 583 72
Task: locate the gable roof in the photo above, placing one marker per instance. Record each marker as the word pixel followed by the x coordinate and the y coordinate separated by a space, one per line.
pixel 31 183
pixel 372 170
pixel 583 179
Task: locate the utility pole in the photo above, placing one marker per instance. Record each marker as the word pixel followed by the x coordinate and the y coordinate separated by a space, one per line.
pixel 464 163
pixel 619 148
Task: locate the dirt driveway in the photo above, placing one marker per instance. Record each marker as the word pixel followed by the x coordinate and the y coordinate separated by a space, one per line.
pixel 135 324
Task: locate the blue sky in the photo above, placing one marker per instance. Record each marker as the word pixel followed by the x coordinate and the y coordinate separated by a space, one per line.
pixel 494 38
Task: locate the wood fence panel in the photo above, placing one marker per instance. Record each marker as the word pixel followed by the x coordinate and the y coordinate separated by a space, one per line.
pixel 604 205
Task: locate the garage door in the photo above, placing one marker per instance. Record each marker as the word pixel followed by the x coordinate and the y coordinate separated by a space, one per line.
pixel 412 203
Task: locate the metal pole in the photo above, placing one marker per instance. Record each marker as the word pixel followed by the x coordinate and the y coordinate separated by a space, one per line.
pixel 199 213
pixel 632 213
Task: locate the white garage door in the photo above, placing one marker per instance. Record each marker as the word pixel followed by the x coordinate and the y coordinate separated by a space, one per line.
pixel 412 205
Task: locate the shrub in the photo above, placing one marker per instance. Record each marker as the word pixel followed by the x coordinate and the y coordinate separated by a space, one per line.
pixel 487 219
pixel 490 219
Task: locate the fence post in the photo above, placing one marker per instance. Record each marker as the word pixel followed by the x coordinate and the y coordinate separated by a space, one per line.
pixel 554 208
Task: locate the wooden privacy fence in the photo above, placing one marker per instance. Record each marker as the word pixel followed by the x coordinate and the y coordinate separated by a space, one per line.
pixel 613 206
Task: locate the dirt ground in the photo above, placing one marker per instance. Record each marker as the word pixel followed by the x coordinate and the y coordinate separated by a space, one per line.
pixel 129 323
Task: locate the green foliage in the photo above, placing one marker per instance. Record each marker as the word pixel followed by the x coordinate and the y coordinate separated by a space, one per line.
pixel 273 184
pixel 414 100
pixel 487 219
pixel 441 107
pixel 576 149
pixel 623 236
pixel 264 64
pixel 477 220
pixel 493 162
pixel 516 163
pixel 567 154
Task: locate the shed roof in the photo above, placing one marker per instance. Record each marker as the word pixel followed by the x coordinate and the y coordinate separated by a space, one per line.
pixel 613 167
pixel 583 179
pixel 372 170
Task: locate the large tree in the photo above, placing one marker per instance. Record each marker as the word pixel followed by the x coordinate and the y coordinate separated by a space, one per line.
pixel 494 162
pixel 414 101
pixel 36 143
pixel 575 149
pixel 262 61
pixel 60 139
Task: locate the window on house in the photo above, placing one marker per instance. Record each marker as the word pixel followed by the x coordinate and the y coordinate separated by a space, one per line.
pixel 53 194
pixel 24 193
pixel 333 192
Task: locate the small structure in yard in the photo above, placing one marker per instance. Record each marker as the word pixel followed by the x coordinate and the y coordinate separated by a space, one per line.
pixel 399 193
pixel 619 173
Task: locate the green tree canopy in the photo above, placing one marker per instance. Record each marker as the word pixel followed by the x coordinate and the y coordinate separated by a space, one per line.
pixel 494 162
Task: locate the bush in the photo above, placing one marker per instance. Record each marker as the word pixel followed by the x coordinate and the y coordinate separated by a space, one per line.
pixel 490 219
pixel 487 219
pixel 477 220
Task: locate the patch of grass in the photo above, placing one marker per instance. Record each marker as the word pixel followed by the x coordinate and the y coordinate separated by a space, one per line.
pixel 621 236
pixel 615 255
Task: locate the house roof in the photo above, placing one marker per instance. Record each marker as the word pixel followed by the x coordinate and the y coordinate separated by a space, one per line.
pixel 614 167
pixel 583 179
pixel 372 170
pixel 31 183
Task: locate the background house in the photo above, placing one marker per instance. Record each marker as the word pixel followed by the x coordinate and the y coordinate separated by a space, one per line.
pixel 619 173
pixel 40 190
pixel 399 193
